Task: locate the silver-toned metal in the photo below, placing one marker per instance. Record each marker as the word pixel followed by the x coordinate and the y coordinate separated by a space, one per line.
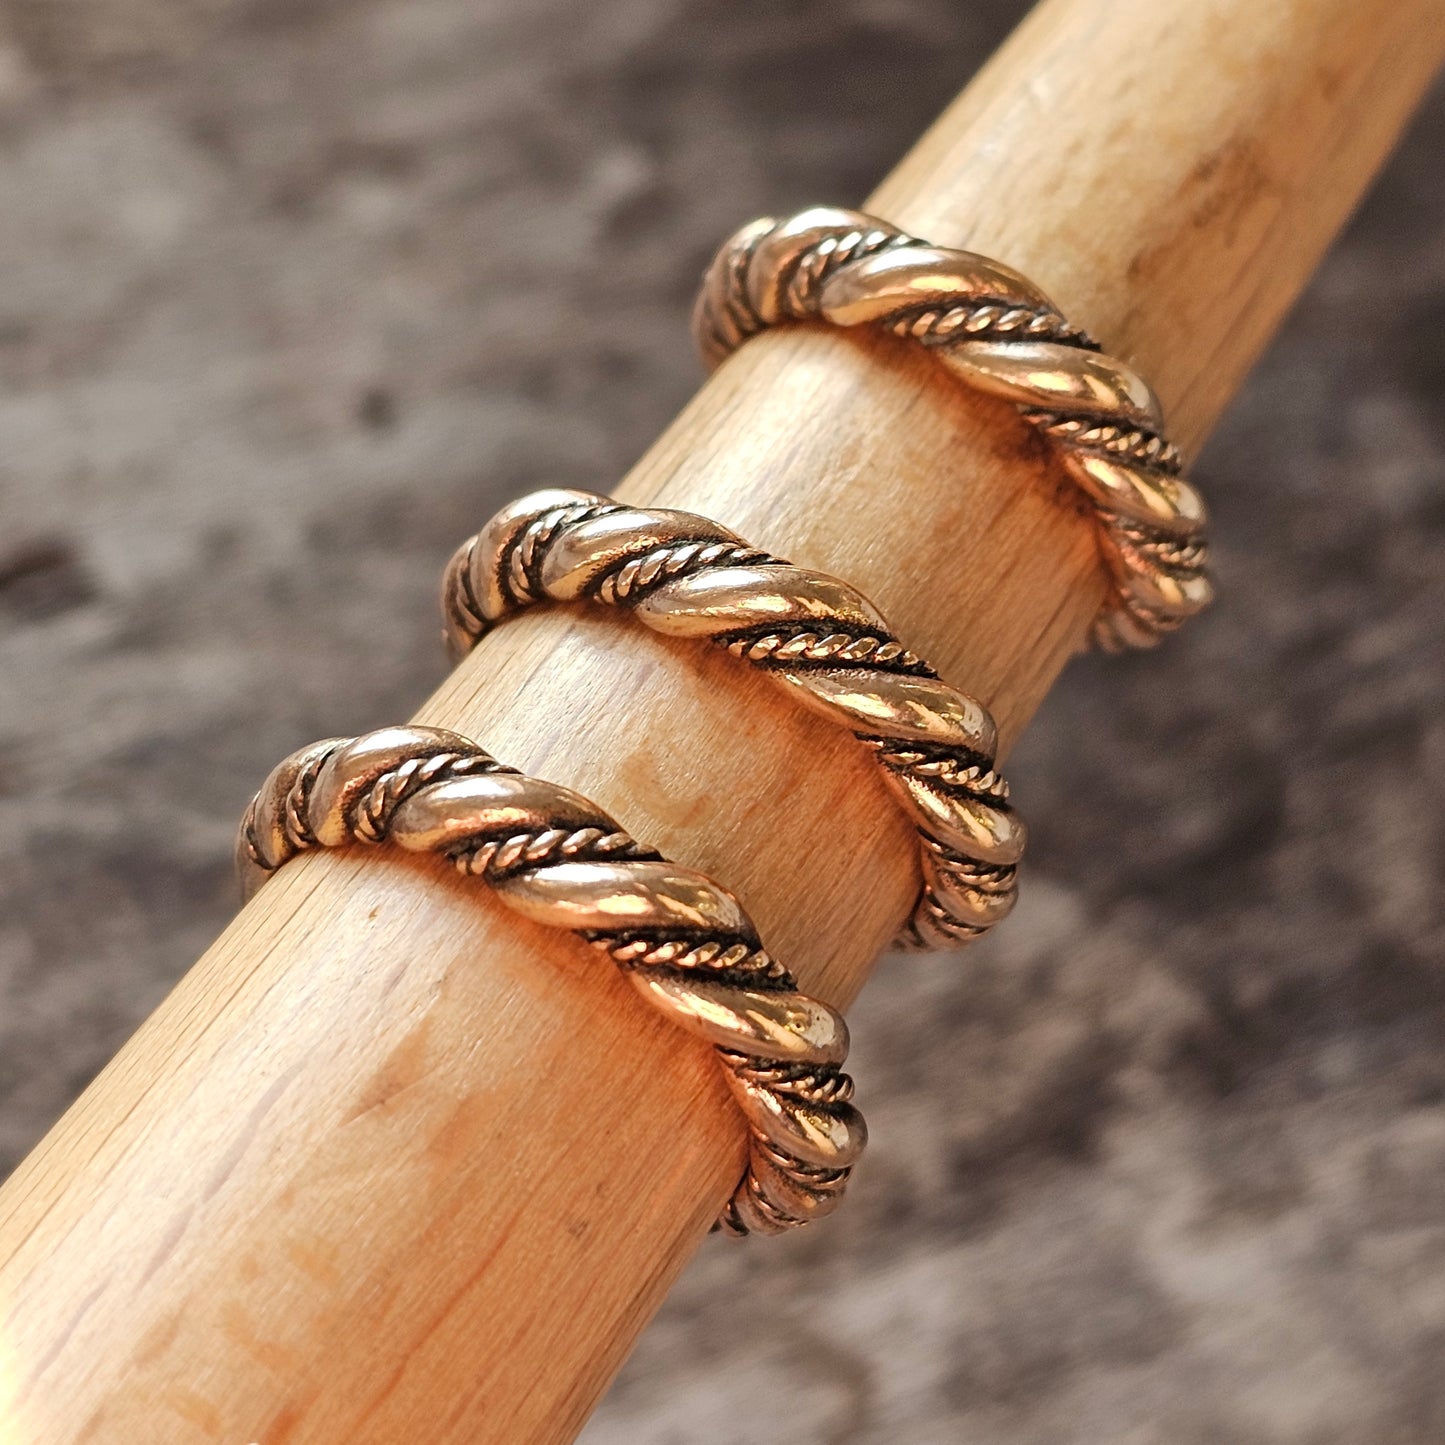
pixel 999 333
pixel 812 634
pixel 685 943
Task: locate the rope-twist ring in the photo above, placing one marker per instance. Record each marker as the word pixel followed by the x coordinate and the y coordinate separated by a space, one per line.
pixel 551 855
pixel 999 333
pixel 817 637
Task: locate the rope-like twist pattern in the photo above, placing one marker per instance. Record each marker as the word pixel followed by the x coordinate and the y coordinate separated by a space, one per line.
pixel 999 333
pixel 553 856
pixel 824 642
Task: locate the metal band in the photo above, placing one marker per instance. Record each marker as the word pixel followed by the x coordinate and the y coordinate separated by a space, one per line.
pixel 685 943
pixel 817 637
pixel 999 333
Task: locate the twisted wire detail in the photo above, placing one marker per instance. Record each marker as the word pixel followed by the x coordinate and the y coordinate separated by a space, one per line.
pixel 996 331
pixel 820 639
pixel 685 943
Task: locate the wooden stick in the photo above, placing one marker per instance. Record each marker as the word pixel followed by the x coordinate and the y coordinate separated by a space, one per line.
pixel 390 1164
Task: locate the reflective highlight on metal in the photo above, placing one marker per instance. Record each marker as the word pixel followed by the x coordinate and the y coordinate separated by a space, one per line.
pixel 816 636
pixel 999 333
pixel 685 943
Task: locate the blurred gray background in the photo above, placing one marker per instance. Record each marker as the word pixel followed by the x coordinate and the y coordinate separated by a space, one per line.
pixel 294 292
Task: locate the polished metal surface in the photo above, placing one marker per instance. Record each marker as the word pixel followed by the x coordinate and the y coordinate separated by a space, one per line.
pixel 812 634
pixel 684 943
pixel 999 333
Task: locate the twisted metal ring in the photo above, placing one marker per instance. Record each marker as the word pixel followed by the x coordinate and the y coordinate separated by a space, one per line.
pixel 556 858
pixel 827 644
pixel 1000 333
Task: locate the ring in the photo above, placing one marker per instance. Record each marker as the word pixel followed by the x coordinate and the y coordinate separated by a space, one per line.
pixel 817 637
pixel 551 855
pixel 999 333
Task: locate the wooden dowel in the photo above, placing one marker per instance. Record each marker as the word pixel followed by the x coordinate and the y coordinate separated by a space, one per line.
pixel 390 1164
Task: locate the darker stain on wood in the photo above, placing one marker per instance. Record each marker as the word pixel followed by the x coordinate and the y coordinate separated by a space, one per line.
pixel 1228 183
pixel 405 1066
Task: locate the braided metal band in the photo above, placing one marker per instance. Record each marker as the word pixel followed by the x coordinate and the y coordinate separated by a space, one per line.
pixel 558 859
pixel 1000 333
pixel 824 642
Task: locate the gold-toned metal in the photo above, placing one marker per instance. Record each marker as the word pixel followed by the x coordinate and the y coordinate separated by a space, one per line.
pixel 819 638
pixel 999 333
pixel 685 943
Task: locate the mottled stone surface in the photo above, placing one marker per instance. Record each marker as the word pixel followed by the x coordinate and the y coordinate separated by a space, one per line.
pixel 292 292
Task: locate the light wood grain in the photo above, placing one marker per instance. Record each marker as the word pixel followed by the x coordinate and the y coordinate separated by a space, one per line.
pixel 390 1164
